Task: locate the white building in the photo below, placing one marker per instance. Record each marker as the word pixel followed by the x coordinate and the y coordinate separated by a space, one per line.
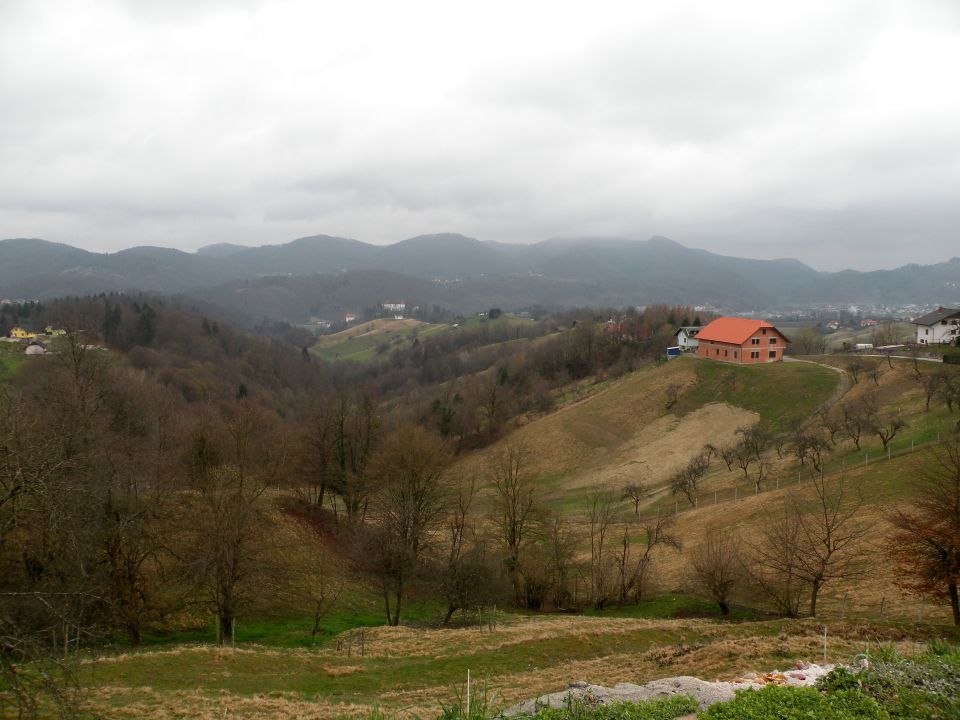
pixel 687 337
pixel 397 307
pixel 938 327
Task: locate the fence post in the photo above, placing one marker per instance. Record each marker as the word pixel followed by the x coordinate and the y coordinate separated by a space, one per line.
pixel 735 492
pixel 911 444
pixel 468 692
pixel 714 497
pixel 866 459
pixel 888 452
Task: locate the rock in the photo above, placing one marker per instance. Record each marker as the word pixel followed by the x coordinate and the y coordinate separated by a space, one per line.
pixel 705 693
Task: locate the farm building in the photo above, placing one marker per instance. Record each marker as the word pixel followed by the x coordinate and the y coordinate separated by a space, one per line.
pixel 742 341
pixel 21 334
pixel 938 327
pixel 687 337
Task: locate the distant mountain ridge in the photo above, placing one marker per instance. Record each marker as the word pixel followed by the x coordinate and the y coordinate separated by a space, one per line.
pixel 560 271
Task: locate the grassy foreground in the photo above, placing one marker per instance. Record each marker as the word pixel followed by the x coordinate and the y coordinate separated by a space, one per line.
pixel 407 671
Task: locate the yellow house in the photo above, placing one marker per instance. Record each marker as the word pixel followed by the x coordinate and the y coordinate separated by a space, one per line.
pixel 22 334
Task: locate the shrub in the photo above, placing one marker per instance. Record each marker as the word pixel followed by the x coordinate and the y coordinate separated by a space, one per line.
pixel 775 702
pixel 659 709
pixel 924 687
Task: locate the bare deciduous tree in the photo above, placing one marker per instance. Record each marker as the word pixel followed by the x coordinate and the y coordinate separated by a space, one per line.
pixel 810 545
pixel 717 566
pixel 930 382
pixel 687 480
pixel 602 514
pixel 774 564
pixel 830 535
pixel 636 493
pixel 925 543
pixel 515 507
pixel 466 579
pixel 857 417
pixel 633 565
pixel 755 440
pixel 887 426
pixel 855 367
pixel 410 504
pixel 561 545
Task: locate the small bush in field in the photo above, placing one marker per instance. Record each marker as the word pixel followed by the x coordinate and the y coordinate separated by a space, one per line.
pixel 659 709
pixel 923 687
pixel 775 702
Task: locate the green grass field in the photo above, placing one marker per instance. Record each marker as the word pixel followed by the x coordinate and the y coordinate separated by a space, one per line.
pixel 358 346
pixel 780 393
pixel 369 341
pixel 11 358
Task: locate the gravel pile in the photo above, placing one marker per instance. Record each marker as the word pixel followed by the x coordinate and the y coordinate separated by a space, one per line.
pixel 704 692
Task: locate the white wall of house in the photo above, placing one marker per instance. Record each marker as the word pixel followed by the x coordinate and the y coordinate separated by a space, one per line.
pixel 943 331
pixel 686 342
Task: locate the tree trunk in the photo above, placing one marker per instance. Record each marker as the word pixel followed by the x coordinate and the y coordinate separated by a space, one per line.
pixel 814 591
pixel 133 632
pixel 386 602
pixel 450 611
pixel 955 603
pixel 398 597
pixel 226 627
pixel 724 608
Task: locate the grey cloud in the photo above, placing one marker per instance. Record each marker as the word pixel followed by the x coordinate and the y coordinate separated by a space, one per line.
pixel 825 131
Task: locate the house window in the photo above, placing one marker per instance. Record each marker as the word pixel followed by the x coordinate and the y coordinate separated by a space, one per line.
pixel 754 341
pixel 764 331
pixel 927 331
pixel 718 351
pixel 773 353
pixel 734 354
pixel 754 354
pixel 726 352
pixel 773 341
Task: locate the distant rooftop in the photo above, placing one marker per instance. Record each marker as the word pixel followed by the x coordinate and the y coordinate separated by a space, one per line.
pixel 941 313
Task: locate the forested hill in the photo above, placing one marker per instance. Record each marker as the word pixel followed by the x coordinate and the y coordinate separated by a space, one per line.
pixel 463 274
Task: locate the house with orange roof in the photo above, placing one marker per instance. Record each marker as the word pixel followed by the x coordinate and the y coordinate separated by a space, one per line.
pixel 742 341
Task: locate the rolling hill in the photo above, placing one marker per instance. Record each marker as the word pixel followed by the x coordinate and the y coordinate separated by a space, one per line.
pixel 465 274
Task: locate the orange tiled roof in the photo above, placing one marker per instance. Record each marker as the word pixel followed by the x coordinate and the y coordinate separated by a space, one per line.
pixel 733 330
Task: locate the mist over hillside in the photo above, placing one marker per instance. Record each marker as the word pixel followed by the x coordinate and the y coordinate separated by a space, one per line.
pixel 319 275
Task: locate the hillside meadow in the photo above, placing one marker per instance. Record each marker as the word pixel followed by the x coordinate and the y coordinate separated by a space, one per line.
pixel 197 406
pixel 278 670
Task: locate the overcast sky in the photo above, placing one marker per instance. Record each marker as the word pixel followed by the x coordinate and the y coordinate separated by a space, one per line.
pixel 827 131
